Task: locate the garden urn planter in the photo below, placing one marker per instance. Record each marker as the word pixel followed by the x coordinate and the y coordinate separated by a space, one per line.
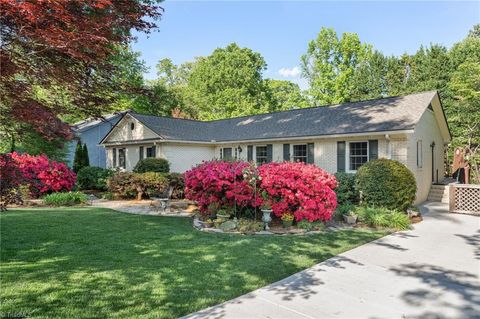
pixel 266 218
pixel 287 224
pixel 350 219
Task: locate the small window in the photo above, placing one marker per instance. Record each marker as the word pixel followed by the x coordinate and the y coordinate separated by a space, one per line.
pixel 150 152
pixel 114 157
pixel 419 154
pixel 358 154
pixel 300 153
pixel 261 155
pixel 132 126
pixel 121 158
pixel 226 153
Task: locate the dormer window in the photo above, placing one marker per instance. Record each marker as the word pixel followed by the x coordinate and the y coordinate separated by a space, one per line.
pixel 132 126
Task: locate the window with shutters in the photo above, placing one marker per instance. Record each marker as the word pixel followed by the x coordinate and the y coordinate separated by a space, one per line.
pixel 114 157
pixel 226 153
pixel 358 154
pixel 300 153
pixel 261 155
pixel 150 152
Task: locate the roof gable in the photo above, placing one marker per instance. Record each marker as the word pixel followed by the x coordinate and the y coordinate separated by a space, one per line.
pixel 129 129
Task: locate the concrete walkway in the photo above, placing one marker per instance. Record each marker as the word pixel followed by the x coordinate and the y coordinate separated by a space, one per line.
pixel 429 272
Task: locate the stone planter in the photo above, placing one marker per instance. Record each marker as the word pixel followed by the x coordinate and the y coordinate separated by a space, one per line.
pixel 287 224
pixel 350 219
pixel 266 218
pixel 412 213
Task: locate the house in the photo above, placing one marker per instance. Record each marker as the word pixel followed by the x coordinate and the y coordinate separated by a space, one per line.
pixel 91 132
pixel 411 129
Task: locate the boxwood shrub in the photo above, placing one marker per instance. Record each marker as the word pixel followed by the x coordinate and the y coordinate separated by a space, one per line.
pixel 386 183
pixel 345 190
pixel 159 165
pixel 93 178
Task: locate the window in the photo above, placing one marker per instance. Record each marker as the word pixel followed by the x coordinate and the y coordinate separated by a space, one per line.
pixel 150 151
pixel 132 126
pixel 114 157
pixel 300 153
pixel 419 154
pixel 141 153
pixel 358 154
pixel 261 155
pixel 121 157
pixel 226 153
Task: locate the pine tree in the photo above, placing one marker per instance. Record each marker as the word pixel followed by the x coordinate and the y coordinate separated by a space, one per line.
pixel 85 157
pixel 77 160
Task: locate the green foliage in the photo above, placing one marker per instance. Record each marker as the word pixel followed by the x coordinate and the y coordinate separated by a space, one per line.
pixel 177 182
pixel 386 183
pixel 249 226
pixel 346 192
pixel 137 185
pixel 78 157
pixel 93 178
pixel 343 209
pixel 309 226
pixel 285 95
pixel 65 199
pixel 159 165
pixel 85 157
pixel 382 217
pixel 330 65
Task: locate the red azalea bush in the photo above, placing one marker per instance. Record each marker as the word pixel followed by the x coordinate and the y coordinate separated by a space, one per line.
pixel 305 190
pixel 298 188
pixel 219 183
pixel 43 175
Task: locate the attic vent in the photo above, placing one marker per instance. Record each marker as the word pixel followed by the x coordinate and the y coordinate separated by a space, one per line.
pixel 132 126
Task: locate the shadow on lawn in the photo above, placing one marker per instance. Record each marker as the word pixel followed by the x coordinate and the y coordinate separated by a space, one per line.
pixel 99 263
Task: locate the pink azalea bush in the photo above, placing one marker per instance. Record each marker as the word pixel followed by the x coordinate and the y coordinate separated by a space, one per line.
pixel 10 180
pixel 219 183
pixel 43 175
pixel 304 190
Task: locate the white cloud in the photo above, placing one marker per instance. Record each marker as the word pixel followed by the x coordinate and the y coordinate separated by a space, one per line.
pixel 289 72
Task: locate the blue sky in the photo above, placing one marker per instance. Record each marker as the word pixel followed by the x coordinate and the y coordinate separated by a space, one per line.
pixel 281 30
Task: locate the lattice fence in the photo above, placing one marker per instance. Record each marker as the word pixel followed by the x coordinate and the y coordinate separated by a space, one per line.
pixel 465 199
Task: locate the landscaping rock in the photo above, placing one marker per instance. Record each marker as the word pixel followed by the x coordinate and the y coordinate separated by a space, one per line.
pixel 228 225
pixel 263 232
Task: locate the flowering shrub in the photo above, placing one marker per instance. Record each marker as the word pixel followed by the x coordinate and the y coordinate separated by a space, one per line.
pixel 138 185
pixel 43 175
pixel 10 180
pixel 220 183
pixel 302 189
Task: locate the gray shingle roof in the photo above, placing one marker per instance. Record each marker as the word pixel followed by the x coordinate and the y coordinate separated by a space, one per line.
pixel 386 114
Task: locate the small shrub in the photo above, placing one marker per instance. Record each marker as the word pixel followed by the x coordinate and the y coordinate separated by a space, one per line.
pixel 158 165
pixel 383 217
pixel 309 226
pixel 93 178
pixel 249 226
pixel 177 181
pixel 136 185
pixel 10 179
pixel 343 209
pixel 65 199
pixel 345 190
pixel 386 183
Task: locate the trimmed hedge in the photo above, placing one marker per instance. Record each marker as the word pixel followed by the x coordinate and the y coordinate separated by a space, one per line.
pixel 65 199
pixel 386 183
pixel 93 178
pixel 137 185
pixel 345 190
pixel 159 165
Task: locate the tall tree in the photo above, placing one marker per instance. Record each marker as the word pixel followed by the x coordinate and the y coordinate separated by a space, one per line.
pixel 78 157
pixel 228 83
pixel 285 95
pixel 65 46
pixel 330 64
pixel 85 157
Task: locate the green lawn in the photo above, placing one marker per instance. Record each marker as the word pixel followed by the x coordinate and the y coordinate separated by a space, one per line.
pixel 98 263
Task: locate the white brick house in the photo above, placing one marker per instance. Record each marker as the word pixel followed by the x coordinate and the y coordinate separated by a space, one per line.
pixel 411 129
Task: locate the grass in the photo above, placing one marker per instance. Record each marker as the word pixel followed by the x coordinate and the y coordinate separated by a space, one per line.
pixel 98 263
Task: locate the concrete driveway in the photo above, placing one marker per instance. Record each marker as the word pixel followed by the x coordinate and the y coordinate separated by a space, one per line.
pixel 432 271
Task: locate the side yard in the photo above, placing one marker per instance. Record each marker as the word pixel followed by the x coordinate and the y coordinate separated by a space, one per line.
pixel 94 262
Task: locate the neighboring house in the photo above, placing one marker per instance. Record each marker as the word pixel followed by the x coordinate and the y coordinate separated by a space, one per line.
pixel 91 132
pixel 411 129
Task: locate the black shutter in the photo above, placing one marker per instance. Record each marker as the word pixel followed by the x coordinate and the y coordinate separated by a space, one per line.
pixel 372 150
pixel 269 153
pixel 141 153
pixel 311 153
pixel 286 152
pixel 341 156
pixel 154 151
pixel 249 153
pixel 114 155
